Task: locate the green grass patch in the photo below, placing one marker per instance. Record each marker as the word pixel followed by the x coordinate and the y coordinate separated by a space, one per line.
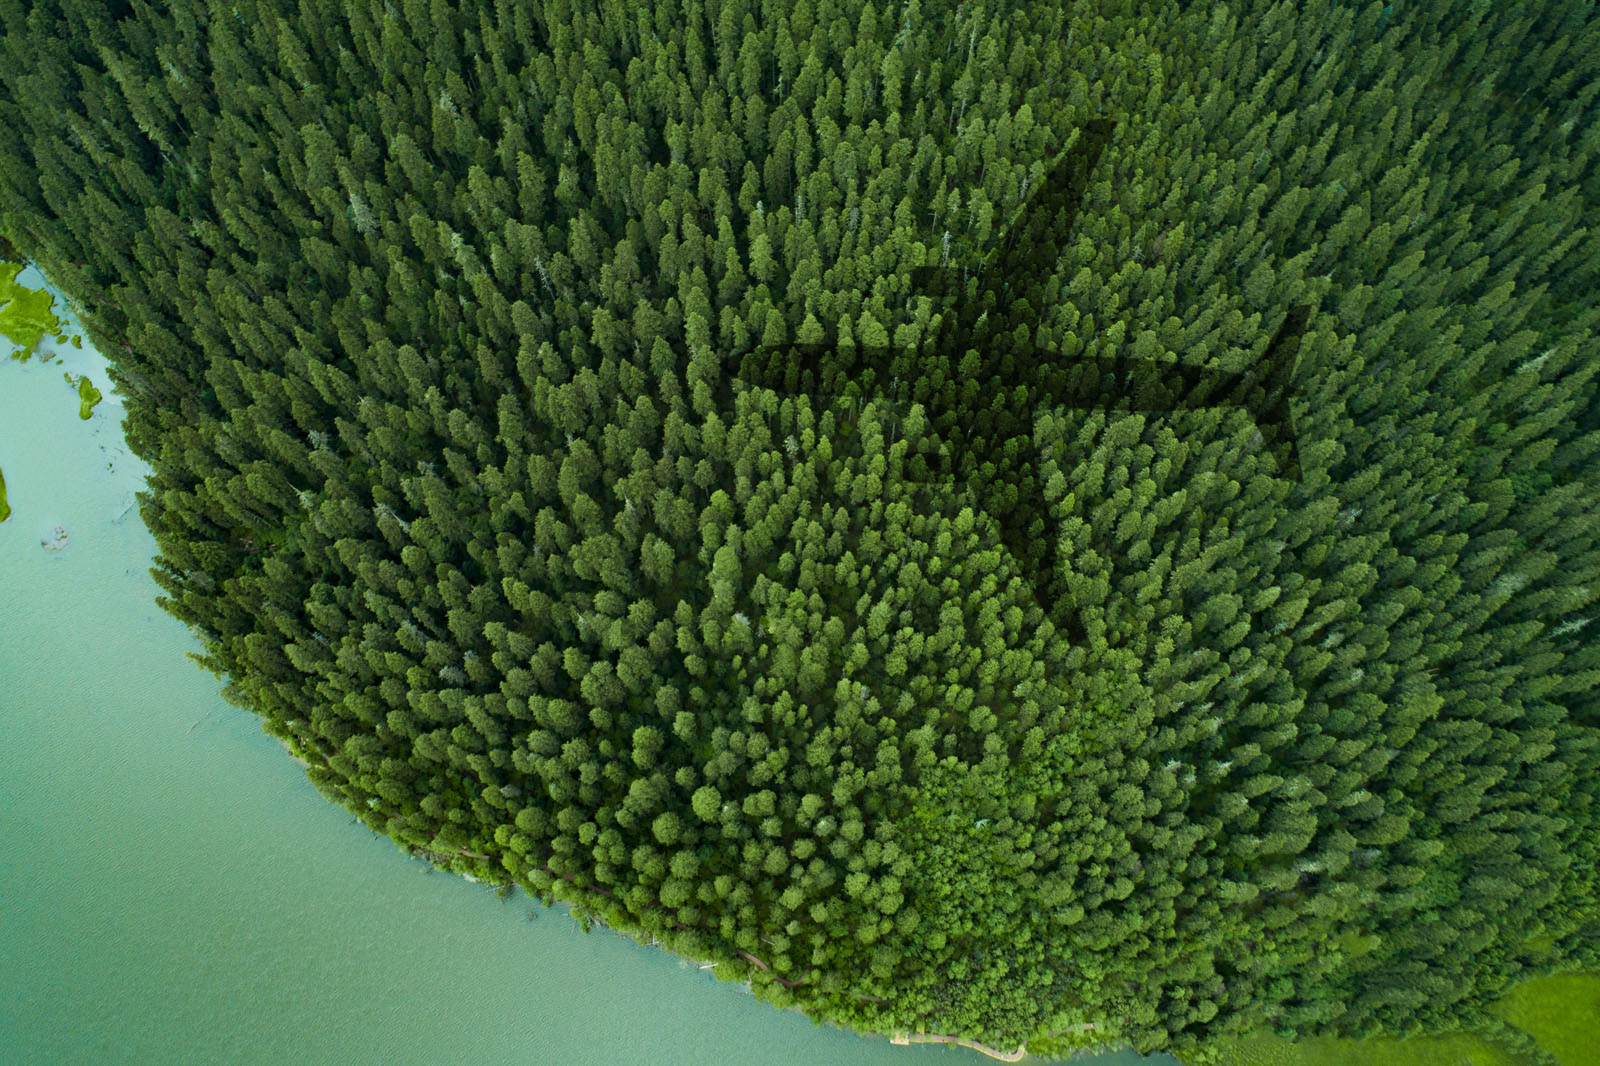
pixel 1456 1049
pixel 1561 1013
pixel 1065 1045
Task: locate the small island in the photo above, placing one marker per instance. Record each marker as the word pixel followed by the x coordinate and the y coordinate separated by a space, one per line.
pixel 88 395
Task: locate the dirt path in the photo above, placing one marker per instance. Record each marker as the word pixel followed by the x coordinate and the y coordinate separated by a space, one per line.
pixel 928 1038
pixel 1003 1056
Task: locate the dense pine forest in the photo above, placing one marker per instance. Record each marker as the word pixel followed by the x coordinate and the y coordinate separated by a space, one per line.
pixel 429 317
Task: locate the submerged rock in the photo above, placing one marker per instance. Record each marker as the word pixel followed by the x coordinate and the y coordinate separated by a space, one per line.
pixel 55 540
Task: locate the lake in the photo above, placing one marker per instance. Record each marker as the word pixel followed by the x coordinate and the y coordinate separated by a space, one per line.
pixel 173 890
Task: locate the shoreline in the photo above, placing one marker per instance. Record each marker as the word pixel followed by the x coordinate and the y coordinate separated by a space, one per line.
pixel 303 764
pixel 896 1037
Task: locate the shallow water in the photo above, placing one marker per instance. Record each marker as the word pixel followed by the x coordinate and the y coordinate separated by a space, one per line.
pixel 173 890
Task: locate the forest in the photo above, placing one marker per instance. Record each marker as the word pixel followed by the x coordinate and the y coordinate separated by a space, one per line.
pixel 976 517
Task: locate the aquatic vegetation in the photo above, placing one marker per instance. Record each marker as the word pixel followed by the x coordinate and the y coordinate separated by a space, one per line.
pixel 5 507
pixel 88 395
pixel 26 315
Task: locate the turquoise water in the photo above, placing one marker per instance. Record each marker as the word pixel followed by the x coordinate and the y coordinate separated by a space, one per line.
pixel 173 890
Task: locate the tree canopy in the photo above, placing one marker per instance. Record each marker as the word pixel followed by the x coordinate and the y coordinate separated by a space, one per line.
pixel 424 313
